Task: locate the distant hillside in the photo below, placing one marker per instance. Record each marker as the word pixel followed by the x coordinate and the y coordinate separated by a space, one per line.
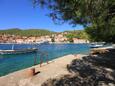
pixel 29 32
pixel 74 31
pixel 76 34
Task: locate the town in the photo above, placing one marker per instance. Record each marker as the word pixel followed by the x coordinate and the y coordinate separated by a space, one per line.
pixel 54 38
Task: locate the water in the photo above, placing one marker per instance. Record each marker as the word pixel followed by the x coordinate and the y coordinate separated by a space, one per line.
pixel 11 63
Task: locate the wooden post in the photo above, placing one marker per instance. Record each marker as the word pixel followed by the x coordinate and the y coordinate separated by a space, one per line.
pixel 47 59
pixel 35 59
pixel 40 60
pixel 30 72
pixel 33 71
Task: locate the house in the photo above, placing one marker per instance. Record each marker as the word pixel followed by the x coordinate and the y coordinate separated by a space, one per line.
pixel 19 40
pixel 76 40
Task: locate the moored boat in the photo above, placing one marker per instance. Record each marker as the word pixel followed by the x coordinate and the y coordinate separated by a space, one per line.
pixel 20 51
pixel 43 42
pixel 96 45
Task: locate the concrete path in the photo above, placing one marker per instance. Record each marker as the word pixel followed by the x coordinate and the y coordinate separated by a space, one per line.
pixel 55 68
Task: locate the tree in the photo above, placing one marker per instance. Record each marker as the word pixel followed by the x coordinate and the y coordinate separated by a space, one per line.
pixel 70 37
pixel 90 13
pixel 52 39
pixel 100 34
pixel 80 34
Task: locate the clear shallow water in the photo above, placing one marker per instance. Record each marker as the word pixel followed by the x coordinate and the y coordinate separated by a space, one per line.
pixel 11 63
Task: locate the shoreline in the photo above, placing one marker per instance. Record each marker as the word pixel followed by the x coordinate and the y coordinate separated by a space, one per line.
pixel 48 43
pixel 55 68
pixel 52 55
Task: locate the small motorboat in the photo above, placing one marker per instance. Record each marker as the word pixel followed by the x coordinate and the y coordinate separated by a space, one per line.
pixel 42 42
pixel 96 45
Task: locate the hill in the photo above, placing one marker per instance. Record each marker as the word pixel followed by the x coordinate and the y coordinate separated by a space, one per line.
pixel 29 32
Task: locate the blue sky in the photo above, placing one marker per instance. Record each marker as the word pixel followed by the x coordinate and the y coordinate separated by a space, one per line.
pixel 21 14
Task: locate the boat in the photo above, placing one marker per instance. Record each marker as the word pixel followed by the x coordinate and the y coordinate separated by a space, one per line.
pixel 43 42
pixel 21 51
pixel 18 51
pixel 96 45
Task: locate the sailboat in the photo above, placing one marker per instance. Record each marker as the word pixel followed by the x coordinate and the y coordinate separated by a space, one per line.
pixel 18 51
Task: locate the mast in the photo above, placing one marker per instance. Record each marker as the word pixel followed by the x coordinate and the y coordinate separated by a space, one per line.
pixel 12 46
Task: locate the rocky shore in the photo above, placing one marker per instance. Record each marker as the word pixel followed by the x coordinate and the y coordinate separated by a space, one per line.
pixel 95 70
pixel 70 70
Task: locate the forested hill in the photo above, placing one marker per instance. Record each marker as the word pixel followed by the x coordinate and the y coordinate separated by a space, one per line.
pixel 29 32
pixel 77 34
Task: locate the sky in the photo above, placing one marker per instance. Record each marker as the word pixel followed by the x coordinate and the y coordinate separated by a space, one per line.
pixel 21 14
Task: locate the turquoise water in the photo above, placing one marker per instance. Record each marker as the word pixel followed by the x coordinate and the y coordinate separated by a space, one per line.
pixel 11 63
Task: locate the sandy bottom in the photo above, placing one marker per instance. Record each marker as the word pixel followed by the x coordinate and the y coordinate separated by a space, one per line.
pixel 54 69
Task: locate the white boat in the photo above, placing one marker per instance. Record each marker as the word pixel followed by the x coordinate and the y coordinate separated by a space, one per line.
pixel 43 42
pixel 18 51
pixel 21 51
pixel 96 45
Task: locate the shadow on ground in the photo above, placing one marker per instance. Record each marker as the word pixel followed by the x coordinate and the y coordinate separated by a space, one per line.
pixel 96 70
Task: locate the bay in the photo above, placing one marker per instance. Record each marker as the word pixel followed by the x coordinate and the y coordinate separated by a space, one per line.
pixel 15 62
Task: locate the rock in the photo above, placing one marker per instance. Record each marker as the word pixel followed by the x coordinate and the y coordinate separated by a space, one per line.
pixel 88 71
pixel 111 84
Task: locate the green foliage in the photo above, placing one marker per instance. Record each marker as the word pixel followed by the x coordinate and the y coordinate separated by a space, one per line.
pixel 80 34
pixel 10 31
pixel 52 39
pixel 30 32
pixel 70 40
pixel 97 15
pixel 77 34
pixel 70 35
pixel 79 11
pixel 101 34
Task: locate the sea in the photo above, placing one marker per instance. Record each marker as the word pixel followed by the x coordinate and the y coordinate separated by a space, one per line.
pixel 46 52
